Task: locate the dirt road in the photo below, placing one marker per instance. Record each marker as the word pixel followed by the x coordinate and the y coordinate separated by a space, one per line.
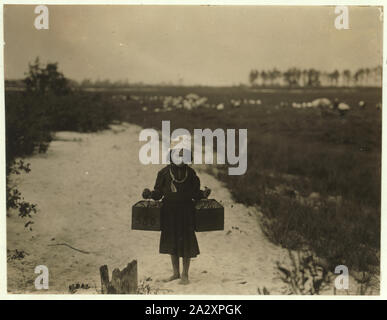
pixel 84 188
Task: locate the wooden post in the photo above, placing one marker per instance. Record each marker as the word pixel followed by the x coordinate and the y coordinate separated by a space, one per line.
pixel 104 272
pixel 116 282
pixel 129 278
pixel 123 282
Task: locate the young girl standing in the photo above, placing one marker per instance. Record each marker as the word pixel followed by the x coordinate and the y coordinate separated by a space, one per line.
pixel 179 187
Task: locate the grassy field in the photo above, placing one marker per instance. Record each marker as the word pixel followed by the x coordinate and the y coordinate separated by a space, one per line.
pixel 315 175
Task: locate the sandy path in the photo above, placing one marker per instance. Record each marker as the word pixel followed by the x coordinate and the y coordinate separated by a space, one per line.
pixel 84 188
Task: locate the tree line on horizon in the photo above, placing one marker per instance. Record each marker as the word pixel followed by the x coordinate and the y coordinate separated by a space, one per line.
pixel 296 77
pixel 292 77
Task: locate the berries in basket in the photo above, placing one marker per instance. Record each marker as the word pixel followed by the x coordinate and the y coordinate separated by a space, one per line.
pixel 146 215
pixel 209 215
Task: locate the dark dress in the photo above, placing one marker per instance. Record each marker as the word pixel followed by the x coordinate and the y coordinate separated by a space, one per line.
pixel 178 210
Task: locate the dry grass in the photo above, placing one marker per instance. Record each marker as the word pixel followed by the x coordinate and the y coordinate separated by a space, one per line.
pixel 291 155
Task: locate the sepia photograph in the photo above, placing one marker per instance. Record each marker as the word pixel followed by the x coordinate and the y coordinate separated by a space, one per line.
pixel 222 150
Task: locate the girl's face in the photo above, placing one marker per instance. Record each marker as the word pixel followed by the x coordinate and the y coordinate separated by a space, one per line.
pixel 181 157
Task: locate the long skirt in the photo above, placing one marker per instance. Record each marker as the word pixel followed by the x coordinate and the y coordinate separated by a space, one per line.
pixel 178 229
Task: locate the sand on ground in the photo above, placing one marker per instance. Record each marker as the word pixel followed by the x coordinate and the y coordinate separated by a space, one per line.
pixel 85 186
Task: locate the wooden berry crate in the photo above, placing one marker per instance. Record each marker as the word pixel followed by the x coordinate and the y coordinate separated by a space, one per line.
pixel 146 215
pixel 209 215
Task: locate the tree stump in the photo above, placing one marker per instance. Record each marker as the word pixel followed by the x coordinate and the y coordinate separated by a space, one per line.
pixel 123 282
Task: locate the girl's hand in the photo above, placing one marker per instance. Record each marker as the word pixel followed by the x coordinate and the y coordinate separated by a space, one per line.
pixel 146 194
pixel 206 192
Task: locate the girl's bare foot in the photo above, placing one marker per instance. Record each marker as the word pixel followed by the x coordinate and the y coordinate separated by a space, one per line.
pixel 171 278
pixel 184 280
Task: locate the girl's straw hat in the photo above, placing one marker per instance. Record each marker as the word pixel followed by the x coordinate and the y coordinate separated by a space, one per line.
pixel 179 143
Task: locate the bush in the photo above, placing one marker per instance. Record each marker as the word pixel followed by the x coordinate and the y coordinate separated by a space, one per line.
pixel 47 105
pixel 41 80
pixel 342 234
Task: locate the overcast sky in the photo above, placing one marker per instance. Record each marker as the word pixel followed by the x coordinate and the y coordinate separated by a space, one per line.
pixel 201 44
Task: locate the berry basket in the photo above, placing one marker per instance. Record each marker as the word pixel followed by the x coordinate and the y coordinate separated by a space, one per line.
pixel 146 215
pixel 209 215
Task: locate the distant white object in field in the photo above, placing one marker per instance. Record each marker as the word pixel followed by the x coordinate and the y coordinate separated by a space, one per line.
pixel 192 96
pixel 322 103
pixel 259 102
pixel 201 102
pixel 284 104
pixel 361 104
pixel 119 97
pixel 187 105
pixel 296 105
pixel 220 106
pixel 144 108
pixel 235 103
pixel 189 102
pixel 343 106
pixel 314 196
pixel 157 109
